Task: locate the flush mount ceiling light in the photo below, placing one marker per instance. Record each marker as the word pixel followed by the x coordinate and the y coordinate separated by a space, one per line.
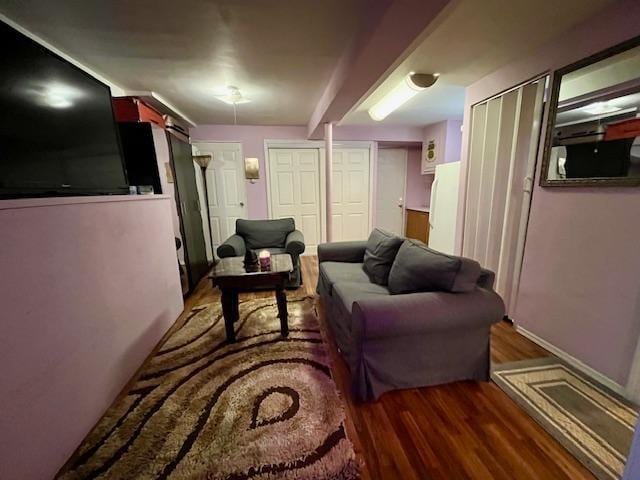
pixel 401 93
pixel 599 108
pixel 233 96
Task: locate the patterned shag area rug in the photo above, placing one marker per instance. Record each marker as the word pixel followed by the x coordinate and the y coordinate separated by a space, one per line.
pixel 588 419
pixel 264 407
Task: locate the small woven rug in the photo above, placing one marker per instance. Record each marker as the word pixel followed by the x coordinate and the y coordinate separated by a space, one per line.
pixel 592 422
pixel 264 407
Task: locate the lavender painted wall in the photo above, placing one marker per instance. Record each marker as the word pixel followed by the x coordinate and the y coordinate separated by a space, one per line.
pixel 580 283
pixel 252 139
pixel 418 185
pixel 89 286
pixel 453 141
pixel 448 139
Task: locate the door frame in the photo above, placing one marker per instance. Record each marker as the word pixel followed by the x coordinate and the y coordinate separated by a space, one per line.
pixel 320 146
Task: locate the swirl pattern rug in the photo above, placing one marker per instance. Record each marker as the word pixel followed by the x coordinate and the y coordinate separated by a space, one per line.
pixel 264 407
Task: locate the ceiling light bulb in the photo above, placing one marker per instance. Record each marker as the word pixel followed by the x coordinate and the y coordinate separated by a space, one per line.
pixel 401 93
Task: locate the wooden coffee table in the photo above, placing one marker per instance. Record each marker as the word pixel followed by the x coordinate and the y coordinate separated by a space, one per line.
pixel 231 276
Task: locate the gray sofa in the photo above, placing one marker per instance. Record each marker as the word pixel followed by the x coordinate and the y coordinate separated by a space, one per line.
pixel 414 338
pixel 276 236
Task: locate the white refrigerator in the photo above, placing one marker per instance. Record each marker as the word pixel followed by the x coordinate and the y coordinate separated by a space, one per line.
pixel 443 209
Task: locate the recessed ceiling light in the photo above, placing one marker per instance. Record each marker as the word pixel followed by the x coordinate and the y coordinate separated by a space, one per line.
pixel 599 108
pixel 233 96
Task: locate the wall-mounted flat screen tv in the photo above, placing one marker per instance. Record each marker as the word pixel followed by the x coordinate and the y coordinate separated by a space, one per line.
pixel 58 134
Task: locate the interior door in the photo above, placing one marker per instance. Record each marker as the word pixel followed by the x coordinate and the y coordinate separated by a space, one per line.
pixel 189 208
pixel 225 187
pixel 350 194
pixel 390 191
pixel 294 184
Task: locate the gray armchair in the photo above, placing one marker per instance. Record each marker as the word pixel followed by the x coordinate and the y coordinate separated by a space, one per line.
pixel 276 236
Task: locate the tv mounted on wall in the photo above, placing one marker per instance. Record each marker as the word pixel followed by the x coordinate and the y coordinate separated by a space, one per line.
pixel 58 134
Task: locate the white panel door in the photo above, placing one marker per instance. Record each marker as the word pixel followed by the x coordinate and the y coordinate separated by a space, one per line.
pixel 350 194
pixel 294 184
pixel 225 187
pixel 390 189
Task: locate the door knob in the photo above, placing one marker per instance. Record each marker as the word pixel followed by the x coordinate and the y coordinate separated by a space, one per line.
pixel 242 204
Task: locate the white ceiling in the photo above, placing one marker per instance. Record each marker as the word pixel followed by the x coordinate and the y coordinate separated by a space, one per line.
pixel 470 39
pixel 280 53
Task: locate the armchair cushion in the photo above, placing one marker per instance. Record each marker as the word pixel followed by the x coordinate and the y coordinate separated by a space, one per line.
pixel 379 255
pixel 232 247
pixel 294 243
pixel 417 268
pixel 265 233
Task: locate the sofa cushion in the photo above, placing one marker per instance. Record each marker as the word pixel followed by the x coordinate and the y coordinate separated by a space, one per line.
pixel 333 272
pixel 265 233
pixel 417 268
pixel 381 250
pixel 349 292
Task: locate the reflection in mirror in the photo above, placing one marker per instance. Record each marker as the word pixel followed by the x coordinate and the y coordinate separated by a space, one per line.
pixel 595 137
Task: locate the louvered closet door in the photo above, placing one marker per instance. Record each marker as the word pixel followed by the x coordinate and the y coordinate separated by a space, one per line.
pixel 504 138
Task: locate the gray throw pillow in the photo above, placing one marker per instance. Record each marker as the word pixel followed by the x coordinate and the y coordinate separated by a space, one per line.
pixel 417 268
pixel 379 255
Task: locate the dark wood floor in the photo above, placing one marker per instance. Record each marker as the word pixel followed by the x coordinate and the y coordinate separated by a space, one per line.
pixel 464 430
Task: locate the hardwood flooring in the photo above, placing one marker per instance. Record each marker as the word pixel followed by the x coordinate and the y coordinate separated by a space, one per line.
pixel 464 430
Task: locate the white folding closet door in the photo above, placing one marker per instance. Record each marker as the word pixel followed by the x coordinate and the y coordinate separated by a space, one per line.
pixel 504 137
pixel 294 181
pixel 350 194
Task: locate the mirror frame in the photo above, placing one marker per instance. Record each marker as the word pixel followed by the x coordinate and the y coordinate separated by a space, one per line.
pixel 552 113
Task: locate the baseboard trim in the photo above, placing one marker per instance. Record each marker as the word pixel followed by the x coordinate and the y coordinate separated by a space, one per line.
pixel 574 362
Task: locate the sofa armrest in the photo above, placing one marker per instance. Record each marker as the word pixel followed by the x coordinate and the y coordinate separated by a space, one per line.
pixel 424 312
pixel 232 247
pixel 348 252
pixel 294 244
pixel 487 279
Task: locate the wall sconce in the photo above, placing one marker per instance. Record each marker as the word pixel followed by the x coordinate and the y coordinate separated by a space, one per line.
pixel 251 169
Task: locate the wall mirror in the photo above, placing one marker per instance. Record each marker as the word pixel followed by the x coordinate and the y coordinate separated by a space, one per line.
pixel 593 135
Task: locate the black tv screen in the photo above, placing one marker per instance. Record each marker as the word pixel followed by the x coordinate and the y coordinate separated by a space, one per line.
pixel 58 134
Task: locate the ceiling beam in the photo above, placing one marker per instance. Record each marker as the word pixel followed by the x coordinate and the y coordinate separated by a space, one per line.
pixel 389 32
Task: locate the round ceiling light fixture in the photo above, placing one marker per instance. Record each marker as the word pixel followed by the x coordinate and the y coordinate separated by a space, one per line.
pixel 233 96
